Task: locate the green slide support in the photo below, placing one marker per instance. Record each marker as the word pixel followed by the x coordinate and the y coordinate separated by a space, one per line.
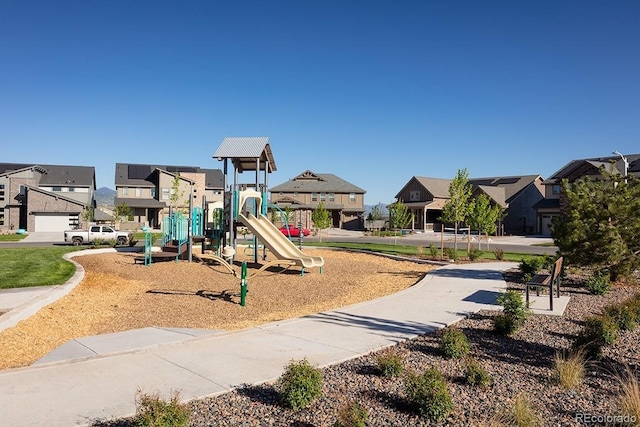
pixel 243 284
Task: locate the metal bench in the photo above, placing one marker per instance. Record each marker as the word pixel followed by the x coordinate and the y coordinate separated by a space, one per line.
pixel 546 281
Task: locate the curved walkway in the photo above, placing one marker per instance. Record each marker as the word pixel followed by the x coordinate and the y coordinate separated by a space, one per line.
pixel 81 391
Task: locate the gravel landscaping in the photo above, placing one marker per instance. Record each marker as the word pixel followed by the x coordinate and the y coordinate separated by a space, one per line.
pixel 520 365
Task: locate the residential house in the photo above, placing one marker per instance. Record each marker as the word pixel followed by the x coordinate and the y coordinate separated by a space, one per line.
pixel 343 200
pixel 426 197
pixel 49 198
pixel 150 190
pixel 551 205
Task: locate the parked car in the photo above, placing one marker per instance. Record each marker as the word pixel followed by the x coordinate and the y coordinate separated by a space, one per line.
pixel 102 232
pixel 291 231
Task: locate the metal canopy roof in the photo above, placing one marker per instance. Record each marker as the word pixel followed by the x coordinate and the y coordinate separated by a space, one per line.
pixel 245 151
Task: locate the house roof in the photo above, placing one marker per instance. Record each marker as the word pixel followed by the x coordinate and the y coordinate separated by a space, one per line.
pixel 510 186
pixel 62 175
pixel 55 195
pixel 311 182
pixel 100 215
pixel 245 151
pixel 144 175
pixel 582 167
pixel 497 194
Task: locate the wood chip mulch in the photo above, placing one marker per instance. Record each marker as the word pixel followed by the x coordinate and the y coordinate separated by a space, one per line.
pixel 118 295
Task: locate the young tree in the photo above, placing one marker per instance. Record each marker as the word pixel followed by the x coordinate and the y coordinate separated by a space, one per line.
pixel 399 215
pixel 456 210
pixel 177 199
pixel 122 211
pixel 289 215
pixel 88 215
pixel 321 217
pixel 600 224
pixel 483 216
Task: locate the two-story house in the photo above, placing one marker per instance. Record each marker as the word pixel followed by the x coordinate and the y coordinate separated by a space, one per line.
pixel 150 190
pixel 45 197
pixel 426 197
pixel 551 205
pixel 343 200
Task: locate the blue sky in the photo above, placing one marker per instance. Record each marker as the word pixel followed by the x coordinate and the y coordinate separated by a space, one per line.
pixel 372 91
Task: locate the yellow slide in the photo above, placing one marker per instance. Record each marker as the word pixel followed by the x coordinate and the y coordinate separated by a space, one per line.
pixel 278 243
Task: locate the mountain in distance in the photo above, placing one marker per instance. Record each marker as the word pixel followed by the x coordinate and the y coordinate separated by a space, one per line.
pixel 105 196
pixel 382 207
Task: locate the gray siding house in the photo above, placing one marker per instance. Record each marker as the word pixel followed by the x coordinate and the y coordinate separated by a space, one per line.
pixel 425 197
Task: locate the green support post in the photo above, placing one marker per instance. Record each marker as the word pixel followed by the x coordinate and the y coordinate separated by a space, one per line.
pixel 243 284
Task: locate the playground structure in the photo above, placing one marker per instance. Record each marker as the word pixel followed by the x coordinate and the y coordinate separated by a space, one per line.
pixel 214 224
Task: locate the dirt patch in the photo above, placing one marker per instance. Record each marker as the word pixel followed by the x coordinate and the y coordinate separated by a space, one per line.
pixel 118 295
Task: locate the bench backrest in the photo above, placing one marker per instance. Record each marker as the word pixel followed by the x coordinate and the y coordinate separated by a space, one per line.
pixel 557 268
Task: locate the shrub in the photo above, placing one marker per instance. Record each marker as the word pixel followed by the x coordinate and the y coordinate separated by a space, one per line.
pixel 524 414
pixel 529 267
pixel 597 332
pixel 133 242
pixel 568 369
pixel 451 253
pixel 624 315
pixel 499 254
pixel 352 415
pixel 300 384
pixel 152 411
pixel 112 242
pixel 474 254
pixel 513 315
pixel 428 394
pixel 98 241
pixel 454 343
pixel 598 283
pixel 475 374
pixel 390 363
pixel 433 251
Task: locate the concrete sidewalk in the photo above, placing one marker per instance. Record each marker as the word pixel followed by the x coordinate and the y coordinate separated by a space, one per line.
pixel 77 386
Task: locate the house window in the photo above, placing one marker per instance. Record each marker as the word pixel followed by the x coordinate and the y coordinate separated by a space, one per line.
pixel 332 197
pixel 1 216
pixel 153 192
pixel 555 190
pixel 166 193
pixel 414 196
pixel 352 197
pixel 56 189
pixel 125 191
pixel 71 189
pixel 314 197
pixel 1 192
pixel 323 197
pixel 295 194
pixel 137 192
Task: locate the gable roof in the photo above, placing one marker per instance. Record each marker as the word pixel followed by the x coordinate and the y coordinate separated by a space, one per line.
pixel 311 182
pixel 244 152
pixel 582 167
pixel 144 175
pixel 512 185
pixel 501 189
pixel 55 195
pixel 55 174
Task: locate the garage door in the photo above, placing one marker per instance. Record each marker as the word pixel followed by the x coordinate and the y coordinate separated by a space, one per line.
pixel 52 221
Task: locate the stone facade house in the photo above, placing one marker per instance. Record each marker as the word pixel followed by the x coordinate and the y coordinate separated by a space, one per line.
pixel 343 200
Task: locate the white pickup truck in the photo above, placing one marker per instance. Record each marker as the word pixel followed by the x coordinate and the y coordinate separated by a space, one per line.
pixel 102 232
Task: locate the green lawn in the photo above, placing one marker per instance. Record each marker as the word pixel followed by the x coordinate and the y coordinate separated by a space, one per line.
pixel 24 267
pixel 414 250
pixel 12 237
